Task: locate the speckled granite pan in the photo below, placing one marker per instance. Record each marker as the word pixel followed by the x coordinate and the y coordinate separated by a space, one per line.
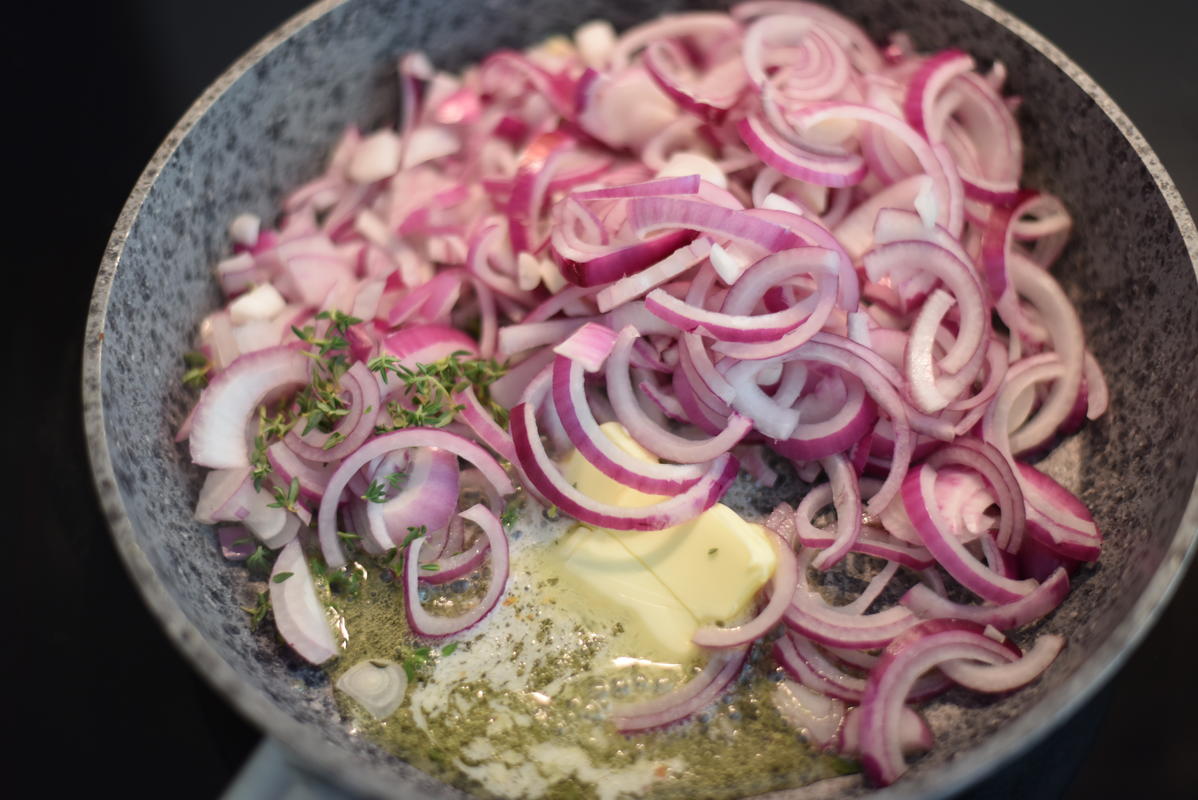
pixel 265 125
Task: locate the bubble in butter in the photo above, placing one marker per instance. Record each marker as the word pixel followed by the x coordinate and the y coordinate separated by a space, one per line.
pixel 661 586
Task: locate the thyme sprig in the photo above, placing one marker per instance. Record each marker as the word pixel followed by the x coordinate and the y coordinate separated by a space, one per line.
pixel 286 498
pixel 319 405
pixel 376 492
pixel 346 580
pixel 258 611
pixel 198 367
pixel 271 428
pixel 511 512
pixel 260 560
pixel 429 388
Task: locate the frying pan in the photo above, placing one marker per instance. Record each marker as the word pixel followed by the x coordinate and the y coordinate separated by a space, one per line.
pixel 265 125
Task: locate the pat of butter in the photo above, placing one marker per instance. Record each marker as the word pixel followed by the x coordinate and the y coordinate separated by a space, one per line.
pixel 616 588
pixel 663 585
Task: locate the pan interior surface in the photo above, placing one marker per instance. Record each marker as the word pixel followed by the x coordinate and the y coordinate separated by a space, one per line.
pixel 266 126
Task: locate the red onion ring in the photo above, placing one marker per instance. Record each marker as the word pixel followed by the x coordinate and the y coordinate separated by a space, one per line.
pixel 424 624
pixel 923 647
pixel 693 696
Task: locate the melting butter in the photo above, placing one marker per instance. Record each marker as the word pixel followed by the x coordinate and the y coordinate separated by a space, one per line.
pixel 661 586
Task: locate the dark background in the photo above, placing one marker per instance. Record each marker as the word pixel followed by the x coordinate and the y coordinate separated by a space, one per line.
pixel 99 692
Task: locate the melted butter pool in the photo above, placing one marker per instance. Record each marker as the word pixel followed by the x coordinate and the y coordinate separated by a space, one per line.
pixel 517 706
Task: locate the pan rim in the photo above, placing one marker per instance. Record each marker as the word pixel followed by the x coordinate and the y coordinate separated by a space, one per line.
pixel 1015 738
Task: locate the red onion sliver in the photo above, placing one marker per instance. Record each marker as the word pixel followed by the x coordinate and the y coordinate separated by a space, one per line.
pixel 920 502
pixel 695 695
pixel 298 613
pixel 547 479
pixel 648 433
pixel 923 647
pixel 218 438
pixel 389 442
pixel 996 678
pixel 432 627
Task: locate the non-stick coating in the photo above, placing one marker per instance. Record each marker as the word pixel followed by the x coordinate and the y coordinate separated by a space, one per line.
pixel 265 125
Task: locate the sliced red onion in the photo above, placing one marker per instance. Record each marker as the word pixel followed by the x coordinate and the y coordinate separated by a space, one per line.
pixel 1008 616
pixel 622 169
pixel 596 446
pixel 218 429
pixel 633 286
pixel 811 616
pixel 883 392
pixel 1064 326
pixel 377 685
pixel 287 465
pixel 426 344
pixel 799 656
pixel 996 678
pixel 782 522
pixel 547 479
pixel 696 412
pixel 847 497
pixel 1024 374
pixel 621 262
pixel 856 231
pixel 682 184
pixel 933 75
pixel 1039 562
pixel 752 460
pixel 988 462
pixel 843 626
pixel 871 542
pixel 923 647
pixel 921 506
pixel 901 260
pixel 588 347
pixel 480 420
pixel 672 26
pixel 769 416
pixel 914 734
pixel 806 165
pixel 649 434
pixel 387 443
pixel 508 390
pixel 933 159
pixel 351 430
pixel 458 565
pixel 711 386
pixel 980 131
pixel 813 439
pixel 997 237
pixel 428 498
pixel 299 614
pixel 877 585
pixel 517 339
pixel 1043 220
pixel 221 495
pixel 1057 518
pixel 434 627
pixel 690 698
pixel 816 718
pixel 236 543
pixel 709 97
pixel 649 214
pixel 733 326
pixel 814 233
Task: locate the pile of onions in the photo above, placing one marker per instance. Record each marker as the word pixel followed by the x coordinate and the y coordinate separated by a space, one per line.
pixel 731 233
